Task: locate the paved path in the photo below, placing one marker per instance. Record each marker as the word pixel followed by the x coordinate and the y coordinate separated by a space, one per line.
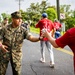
pixel 32 66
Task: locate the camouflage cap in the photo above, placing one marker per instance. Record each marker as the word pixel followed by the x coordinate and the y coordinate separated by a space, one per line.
pixel 16 15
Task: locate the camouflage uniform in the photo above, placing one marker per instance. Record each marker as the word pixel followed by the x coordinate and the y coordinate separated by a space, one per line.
pixel 13 38
pixel 0 25
pixel 5 22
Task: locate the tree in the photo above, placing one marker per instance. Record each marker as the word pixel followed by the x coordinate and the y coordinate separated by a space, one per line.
pixel 51 13
pixel 66 10
pixel 3 15
pixel 6 15
pixel 35 10
pixel 74 13
pixel 69 16
pixel 70 22
pixel 0 19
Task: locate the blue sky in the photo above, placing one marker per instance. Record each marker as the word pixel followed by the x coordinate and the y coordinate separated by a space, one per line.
pixel 9 6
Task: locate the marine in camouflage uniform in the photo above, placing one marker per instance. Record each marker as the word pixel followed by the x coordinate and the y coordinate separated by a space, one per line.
pixel 13 39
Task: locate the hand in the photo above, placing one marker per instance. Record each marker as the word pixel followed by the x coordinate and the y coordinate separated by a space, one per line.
pixel 45 34
pixel 40 38
pixel 4 48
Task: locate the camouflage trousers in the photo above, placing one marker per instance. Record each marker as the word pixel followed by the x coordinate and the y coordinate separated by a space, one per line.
pixel 4 60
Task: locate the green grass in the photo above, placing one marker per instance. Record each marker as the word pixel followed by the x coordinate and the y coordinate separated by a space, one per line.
pixel 34 30
pixel 37 30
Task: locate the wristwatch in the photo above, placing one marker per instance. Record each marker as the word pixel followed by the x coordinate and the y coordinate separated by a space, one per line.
pixel 39 38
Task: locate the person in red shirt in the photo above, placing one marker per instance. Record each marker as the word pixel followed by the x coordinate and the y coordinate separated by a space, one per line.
pixel 67 39
pixel 57 26
pixel 49 26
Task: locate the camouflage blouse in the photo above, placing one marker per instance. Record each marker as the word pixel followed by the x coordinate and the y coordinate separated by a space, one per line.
pixel 13 38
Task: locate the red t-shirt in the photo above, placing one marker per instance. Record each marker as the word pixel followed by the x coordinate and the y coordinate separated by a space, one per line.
pixel 45 23
pixel 57 25
pixel 68 39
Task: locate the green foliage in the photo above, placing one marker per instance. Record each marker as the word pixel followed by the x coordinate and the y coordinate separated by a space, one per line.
pixel 0 19
pixel 69 16
pixel 6 15
pixel 51 13
pixel 70 22
pixel 34 30
pixel 24 15
pixel 33 13
pixel 74 13
pixel 66 10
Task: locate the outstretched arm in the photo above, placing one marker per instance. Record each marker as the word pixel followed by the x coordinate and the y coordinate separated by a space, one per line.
pixel 34 39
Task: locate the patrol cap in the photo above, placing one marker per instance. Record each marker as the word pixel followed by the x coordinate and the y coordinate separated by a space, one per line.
pixel 16 15
pixel 44 15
